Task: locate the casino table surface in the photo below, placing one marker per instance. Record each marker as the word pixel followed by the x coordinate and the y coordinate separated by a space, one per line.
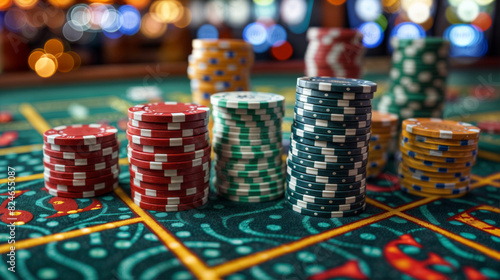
pixel 399 236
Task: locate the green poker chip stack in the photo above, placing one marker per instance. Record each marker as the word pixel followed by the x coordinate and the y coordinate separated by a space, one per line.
pixel 328 156
pixel 418 78
pixel 247 142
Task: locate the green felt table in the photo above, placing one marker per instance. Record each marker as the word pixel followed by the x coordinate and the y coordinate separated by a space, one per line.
pixel 399 236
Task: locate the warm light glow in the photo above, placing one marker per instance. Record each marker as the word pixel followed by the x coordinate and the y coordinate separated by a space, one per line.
pixel 65 62
pixel 5 4
pixel 63 4
pixel 166 10
pixel 76 58
pixel 390 6
pixel 336 2
pixel 483 21
pixel 282 52
pixel 139 4
pixel 25 4
pixel 46 66
pixel 185 20
pixel 34 57
pixel 54 47
pixel 467 10
pixel 151 28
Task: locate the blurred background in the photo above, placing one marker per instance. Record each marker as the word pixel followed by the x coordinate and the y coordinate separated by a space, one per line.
pixel 57 37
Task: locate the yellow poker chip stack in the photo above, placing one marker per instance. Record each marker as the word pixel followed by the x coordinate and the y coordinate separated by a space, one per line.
pixel 217 65
pixel 384 128
pixel 437 157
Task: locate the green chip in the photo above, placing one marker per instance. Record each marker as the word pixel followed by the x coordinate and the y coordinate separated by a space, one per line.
pixel 248 136
pixel 248 167
pixel 327 158
pixel 331 131
pixel 234 129
pixel 249 155
pixel 325 179
pixel 271 123
pixel 268 111
pixel 332 117
pixel 332 102
pixel 246 149
pixel 217 138
pixel 327 187
pixel 250 174
pixel 333 95
pixel 221 158
pixel 247 100
pixel 327 151
pixel 247 118
pixel 228 185
pixel 333 110
pixel 328 137
pixel 333 84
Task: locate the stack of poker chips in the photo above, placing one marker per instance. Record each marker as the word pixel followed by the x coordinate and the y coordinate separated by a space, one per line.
pixel 81 160
pixel 247 145
pixel 437 157
pixel 219 65
pixel 418 75
pixel 383 129
pixel 169 155
pixel 326 165
pixel 336 52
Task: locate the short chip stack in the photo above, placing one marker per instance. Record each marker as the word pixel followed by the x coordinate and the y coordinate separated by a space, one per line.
pixel 219 65
pixel 336 52
pixel 418 74
pixel 383 129
pixel 326 165
pixel 437 157
pixel 169 155
pixel 247 145
pixel 81 160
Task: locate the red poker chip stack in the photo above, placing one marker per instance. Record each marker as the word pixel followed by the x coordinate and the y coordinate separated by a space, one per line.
pixel 169 154
pixel 81 160
pixel 334 52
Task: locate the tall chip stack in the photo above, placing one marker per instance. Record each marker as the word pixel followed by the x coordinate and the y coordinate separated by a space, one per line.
pixel 437 157
pixel 169 155
pixel 326 165
pixel 248 145
pixel 219 65
pixel 336 52
pixel 418 76
pixel 81 160
pixel 383 131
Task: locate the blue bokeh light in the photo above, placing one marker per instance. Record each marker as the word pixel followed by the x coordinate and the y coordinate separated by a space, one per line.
pixel 255 33
pixel 408 30
pixel 373 35
pixel 466 40
pixel 207 31
pixel 130 20
pixel 276 35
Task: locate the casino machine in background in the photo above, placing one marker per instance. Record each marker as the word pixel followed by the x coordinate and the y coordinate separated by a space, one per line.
pixel 313 156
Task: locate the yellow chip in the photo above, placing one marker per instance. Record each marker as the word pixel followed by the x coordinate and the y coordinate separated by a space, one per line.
pixel 437 141
pixel 436 153
pixel 439 128
pixel 420 172
pixel 434 158
pixel 225 44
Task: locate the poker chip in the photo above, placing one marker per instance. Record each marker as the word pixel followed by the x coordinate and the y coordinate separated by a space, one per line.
pixel 247 145
pixel 436 157
pixel 218 65
pixel 80 148
pixel 80 161
pixel 80 168
pixel 80 134
pixel 383 130
pixel 491 127
pixel 81 155
pixel 418 78
pixel 329 143
pixel 78 194
pixel 171 112
pixel 169 155
pixel 82 182
pixel 80 175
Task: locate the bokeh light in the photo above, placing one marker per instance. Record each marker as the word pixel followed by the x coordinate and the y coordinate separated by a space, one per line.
pixel 34 57
pixel 151 28
pixel 483 21
pixel 46 66
pixel 238 12
pixel 255 33
pixel 466 40
pixel 65 62
pixel 266 12
pixel 130 20
pixel 293 12
pixel 26 4
pixel 368 10
pixel 185 20
pixel 283 51
pixel 54 47
pixel 467 10
pixel 276 35
pixel 207 31
pixel 5 4
pixel 336 2
pixel 408 30
pixel 63 4
pixel 373 34
pixel 419 12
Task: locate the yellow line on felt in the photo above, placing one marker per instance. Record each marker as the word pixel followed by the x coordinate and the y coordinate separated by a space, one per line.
pixel 190 260
pixel 21 149
pixel 474 245
pixel 245 262
pixel 32 242
pixel 34 118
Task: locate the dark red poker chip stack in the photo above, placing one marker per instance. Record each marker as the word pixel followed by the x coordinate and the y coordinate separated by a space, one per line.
pixel 334 52
pixel 169 154
pixel 81 160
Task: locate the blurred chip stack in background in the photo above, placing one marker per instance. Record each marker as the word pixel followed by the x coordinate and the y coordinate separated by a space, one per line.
pixel 383 129
pixel 418 75
pixel 334 52
pixel 219 65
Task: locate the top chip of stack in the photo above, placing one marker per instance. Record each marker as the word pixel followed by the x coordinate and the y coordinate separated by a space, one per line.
pixel 418 75
pixel 336 52
pixel 326 165
pixel 169 155
pixel 81 160
pixel 247 145
pixel 219 65
pixel 383 129
pixel 437 157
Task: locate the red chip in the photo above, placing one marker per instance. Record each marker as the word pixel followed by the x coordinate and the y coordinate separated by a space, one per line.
pixel 490 127
pixel 7 138
pixel 5 117
pixel 80 134
pixel 168 112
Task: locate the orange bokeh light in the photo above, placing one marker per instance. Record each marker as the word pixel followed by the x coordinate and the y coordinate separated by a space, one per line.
pixel 282 52
pixel 483 21
pixel 139 4
pixel 46 66
pixel 63 4
pixel 65 62
pixel 5 4
pixel 34 57
pixel 336 2
pixel 54 47
pixel 25 4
